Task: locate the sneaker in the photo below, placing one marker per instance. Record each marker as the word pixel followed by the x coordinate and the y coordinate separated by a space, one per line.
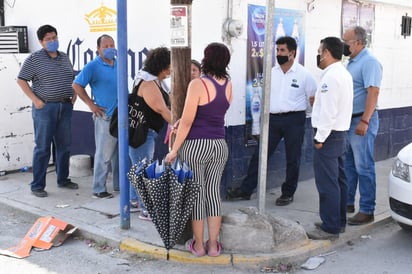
pixel 237 194
pixel 70 185
pixel 319 224
pixel 103 195
pixel 144 215
pixel 134 206
pixel 320 234
pixel 39 193
pixel 284 200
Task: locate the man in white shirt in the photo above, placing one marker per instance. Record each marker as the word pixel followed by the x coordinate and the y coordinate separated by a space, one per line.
pixel 331 117
pixel 291 88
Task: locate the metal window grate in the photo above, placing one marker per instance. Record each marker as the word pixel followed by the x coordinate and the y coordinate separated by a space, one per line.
pixel 12 35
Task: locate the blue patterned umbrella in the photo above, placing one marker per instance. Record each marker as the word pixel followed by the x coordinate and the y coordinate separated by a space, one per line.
pixel 169 194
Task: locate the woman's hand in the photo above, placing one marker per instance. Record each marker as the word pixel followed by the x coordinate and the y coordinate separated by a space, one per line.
pixel 170 157
pixel 175 126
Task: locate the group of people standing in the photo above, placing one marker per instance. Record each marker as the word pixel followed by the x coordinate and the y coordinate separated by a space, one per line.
pixel 200 137
pixel 344 119
pixel 345 122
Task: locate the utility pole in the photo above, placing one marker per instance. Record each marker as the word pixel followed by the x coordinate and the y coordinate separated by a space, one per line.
pixel 181 52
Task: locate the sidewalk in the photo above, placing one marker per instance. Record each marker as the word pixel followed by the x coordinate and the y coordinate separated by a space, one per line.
pixel 99 219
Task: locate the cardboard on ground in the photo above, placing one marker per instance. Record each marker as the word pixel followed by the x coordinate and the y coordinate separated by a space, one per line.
pixel 45 233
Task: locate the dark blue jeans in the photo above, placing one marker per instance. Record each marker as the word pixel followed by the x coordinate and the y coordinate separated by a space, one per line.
pixel 290 127
pixel 52 122
pixel 328 164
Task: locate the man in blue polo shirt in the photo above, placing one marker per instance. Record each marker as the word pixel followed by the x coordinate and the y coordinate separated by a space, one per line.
pixel 359 159
pixel 101 75
pixel 51 74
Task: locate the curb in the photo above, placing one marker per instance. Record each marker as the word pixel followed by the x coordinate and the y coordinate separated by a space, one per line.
pixel 313 247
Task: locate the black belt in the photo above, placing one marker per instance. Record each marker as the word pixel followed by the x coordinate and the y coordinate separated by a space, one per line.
pixel 287 113
pixel 359 114
pixel 64 100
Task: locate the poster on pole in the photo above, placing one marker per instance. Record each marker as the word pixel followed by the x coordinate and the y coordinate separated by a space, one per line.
pixel 287 22
pixel 179 27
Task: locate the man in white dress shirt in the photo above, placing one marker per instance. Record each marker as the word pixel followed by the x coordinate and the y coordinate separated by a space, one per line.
pixel 331 117
pixel 292 86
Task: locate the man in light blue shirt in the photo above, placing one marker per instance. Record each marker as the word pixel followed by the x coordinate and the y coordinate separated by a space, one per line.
pixel 101 75
pixel 366 72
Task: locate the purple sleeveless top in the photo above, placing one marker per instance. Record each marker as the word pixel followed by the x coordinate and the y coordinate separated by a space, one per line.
pixel 209 121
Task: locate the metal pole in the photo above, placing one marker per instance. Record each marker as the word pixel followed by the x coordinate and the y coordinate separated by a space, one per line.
pixel 122 94
pixel 264 134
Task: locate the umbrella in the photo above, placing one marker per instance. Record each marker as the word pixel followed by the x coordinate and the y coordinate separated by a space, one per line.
pixel 169 193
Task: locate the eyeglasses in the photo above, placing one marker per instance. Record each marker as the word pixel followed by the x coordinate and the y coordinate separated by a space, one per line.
pixel 349 41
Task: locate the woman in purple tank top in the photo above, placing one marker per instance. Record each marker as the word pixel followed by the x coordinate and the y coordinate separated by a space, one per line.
pixel 200 141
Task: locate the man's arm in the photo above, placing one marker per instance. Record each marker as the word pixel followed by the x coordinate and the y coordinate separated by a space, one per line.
pixel 370 106
pixel 81 92
pixel 25 87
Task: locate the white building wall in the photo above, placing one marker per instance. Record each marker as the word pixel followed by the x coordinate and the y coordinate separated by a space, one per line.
pixel 148 26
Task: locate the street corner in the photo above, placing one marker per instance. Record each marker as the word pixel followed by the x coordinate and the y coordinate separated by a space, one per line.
pixel 152 251
pixel 297 254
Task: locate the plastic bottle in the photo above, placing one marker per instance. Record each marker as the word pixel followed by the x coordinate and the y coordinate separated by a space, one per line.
pixel 295 34
pixel 280 30
pixel 24 169
pixel 255 107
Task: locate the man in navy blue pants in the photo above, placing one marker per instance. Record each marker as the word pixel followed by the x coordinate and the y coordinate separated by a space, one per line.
pixel 291 91
pixel 331 116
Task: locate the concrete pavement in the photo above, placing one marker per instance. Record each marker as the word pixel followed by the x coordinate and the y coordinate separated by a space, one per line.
pixel 99 219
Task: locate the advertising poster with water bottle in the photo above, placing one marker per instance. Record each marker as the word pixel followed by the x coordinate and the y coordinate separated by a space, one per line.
pixel 287 22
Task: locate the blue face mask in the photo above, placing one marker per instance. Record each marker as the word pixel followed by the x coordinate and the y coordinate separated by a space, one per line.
pixel 109 53
pixel 52 46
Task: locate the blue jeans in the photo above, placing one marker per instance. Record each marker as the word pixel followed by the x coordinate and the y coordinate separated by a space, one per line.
pixel 136 155
pixel 360 165
pixel 52 122
pixel 290 127
pixel 106 155
pixel 330 180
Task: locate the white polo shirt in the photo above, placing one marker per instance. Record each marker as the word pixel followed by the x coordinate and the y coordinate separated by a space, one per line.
pixel 290 91
pixel 333 105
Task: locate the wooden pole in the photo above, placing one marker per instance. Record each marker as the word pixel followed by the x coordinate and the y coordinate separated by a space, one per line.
pixel 181 60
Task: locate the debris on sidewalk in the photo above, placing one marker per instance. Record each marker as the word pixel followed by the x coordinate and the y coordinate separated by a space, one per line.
pixel 315 261
pixel 279 268
pixel 62 206
pixel 45 233
pixel 366 237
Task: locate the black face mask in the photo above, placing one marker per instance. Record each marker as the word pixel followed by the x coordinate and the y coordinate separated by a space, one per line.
pixel 318 60
pixel 346 50
pixel 282 59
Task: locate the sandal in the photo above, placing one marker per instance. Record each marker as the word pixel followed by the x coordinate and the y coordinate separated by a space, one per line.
pixel 214 253
pixel 191 248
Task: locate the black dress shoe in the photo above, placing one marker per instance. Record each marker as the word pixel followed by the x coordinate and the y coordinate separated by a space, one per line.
pixel 70 185
pixel 237 194
pixel 319 224
pixel 39 193
pixel 284 200
pixel 361 219
pixel 350 208
pixel 320 234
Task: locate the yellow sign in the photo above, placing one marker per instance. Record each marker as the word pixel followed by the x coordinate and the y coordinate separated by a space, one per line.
pixel 102 19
